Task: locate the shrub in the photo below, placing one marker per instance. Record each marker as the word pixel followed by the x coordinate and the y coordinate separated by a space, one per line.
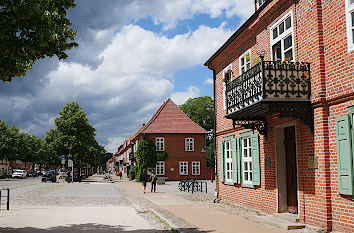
pixel 132 173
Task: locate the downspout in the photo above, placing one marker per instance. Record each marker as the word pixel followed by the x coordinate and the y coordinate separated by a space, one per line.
pixel 214 137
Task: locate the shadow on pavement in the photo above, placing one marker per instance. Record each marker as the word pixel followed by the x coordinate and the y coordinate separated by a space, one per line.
pixel 90 228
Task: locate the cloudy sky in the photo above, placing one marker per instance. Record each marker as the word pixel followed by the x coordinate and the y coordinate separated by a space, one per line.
pixel 132 55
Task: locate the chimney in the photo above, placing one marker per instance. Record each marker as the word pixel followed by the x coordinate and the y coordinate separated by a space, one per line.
pixel 143 124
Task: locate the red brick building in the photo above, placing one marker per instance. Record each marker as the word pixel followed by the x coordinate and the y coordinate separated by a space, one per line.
pixel 284 105
pixel 181 138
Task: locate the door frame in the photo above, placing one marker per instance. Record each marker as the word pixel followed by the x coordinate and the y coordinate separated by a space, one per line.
pixel 280 152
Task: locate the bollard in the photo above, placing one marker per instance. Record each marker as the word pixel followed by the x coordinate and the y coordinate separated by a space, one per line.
pixel 8 199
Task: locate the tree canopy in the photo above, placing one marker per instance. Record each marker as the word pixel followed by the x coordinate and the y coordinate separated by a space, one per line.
pixel 147 156
pixel 74 135
pixel 201 111
pixel 30 30
pixel 16 145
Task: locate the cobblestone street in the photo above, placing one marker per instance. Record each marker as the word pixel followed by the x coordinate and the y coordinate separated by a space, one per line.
pixel 120 206
pixel 77 207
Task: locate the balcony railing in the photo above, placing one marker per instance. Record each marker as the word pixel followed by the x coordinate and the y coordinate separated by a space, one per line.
pixel 269 81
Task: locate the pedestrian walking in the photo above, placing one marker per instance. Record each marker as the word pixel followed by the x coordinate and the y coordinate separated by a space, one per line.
pixel 120 175
pixel 144 178
pixel 153 181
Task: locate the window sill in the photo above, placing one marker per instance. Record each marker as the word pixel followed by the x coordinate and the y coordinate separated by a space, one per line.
pixel 229 183
pixel 243 185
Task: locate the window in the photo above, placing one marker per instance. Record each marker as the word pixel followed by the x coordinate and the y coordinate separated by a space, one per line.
pixel 259 3
pixel 226 76
pixel 160 168
pixel 196 168
pixel 282 39
pixel 183 168
pixel 349 6
pixel 239 160
pixel 228 161
pixel 160 144
pixel 345 140
pixel 245 62
pixel 189 144
pixel 247 160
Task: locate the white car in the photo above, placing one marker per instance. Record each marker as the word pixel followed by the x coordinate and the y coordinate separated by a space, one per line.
pixel 19 174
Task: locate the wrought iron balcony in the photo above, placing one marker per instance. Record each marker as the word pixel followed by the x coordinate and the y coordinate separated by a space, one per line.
pixel 267 88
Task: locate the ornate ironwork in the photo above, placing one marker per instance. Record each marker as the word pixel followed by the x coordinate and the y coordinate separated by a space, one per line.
pixel 286 80
pixel 271 87
pixel 300 111
pixel 259 125
pixel 245 89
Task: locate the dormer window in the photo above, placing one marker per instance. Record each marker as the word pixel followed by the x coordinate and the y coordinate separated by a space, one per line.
pixel 259 3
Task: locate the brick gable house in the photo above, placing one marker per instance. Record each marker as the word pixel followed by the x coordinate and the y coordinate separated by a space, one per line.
pixel 284 105
pixel 181 138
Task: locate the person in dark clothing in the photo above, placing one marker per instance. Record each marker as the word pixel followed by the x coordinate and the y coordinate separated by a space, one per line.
pixel 144 178
pixel 153 181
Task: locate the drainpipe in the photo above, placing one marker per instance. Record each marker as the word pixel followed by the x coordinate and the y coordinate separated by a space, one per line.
pixel 214 137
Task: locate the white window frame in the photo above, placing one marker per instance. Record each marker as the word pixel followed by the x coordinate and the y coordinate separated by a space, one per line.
pixel 228 161
pixel 245 65
pixel 281 37
pixel 257 3
pixel 160 144
pixel 246 160
pixel 160 168
pixel 183 168
pixel 189 144
pixel 229 67
pixel 349 9
pixel 195 168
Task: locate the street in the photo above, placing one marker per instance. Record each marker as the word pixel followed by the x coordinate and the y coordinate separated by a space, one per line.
pixel 98 205
pixel 78 207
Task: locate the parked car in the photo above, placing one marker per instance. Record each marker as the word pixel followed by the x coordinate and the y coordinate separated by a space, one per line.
pixel 62 173
pixel 19 174
pixel 49 176
pixel 32 174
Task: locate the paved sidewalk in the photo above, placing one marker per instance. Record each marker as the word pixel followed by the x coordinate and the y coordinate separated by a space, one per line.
pixel 202 217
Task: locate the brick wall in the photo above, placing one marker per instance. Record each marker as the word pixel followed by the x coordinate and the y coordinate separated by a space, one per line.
pixel 319 38
pixel 175 149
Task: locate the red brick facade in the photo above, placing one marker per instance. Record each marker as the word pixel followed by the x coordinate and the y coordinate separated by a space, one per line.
pixel 175 149
pixel 319 38
pixel 172 125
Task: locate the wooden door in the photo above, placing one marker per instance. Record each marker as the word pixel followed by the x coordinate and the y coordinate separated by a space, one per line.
pixel 291 169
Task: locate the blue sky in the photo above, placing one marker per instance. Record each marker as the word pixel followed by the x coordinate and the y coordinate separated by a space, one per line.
pixel 132 56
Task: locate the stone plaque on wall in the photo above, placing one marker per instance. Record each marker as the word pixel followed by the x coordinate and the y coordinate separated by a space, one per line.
pixel 312 162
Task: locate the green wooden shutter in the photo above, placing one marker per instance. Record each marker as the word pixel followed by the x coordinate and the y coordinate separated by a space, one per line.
pixel 256 171
pixel 222 174
pixel 234 161
pixel 345 155
pixel 238 160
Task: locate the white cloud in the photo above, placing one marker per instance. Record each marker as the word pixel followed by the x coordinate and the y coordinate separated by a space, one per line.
pixel 169 13
pixel 181 97
pixel 133 79
pixel 209 81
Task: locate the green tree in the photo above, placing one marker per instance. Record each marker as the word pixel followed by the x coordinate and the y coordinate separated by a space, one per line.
pixel 74 135
pixel 146 155
pixel 8 142
pixel 201 111
pixel 30 30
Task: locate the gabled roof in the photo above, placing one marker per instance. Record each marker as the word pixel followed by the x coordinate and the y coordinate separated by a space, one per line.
pixel 170 119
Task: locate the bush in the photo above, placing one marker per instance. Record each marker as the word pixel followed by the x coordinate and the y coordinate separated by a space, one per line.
pixel 132 173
